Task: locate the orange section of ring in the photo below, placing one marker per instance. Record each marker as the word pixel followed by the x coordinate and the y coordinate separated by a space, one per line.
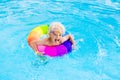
pixel 34 35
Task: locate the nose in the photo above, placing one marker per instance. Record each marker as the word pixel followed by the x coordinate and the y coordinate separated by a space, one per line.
pixel 57 36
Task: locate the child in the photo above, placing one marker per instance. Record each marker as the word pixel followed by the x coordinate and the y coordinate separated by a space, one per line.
pixel 55 37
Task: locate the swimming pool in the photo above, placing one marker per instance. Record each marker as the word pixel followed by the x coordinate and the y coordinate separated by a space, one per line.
pixel 94 24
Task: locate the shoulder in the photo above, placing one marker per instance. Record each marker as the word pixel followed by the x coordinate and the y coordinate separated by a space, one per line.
pixel 46 42
pixel 67 36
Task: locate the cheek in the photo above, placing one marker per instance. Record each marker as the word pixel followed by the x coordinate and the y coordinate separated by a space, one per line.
pixel 53 37
pixel 60 36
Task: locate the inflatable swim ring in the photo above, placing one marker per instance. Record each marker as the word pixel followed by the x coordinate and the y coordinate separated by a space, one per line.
pixel 52 51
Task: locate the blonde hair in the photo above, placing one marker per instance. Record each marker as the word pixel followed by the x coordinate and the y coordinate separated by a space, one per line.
pixel 56 25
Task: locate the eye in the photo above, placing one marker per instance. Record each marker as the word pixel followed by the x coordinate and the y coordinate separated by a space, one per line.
pixel 60 35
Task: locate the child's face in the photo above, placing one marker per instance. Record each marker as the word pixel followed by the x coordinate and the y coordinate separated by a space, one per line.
pixel 56 37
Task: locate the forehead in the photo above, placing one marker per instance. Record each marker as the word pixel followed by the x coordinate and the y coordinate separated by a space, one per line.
pixel 57 32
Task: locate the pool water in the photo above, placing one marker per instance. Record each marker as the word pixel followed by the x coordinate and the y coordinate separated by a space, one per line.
pixel 95 25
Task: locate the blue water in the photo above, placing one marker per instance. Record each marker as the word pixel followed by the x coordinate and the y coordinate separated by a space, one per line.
pixel 95 25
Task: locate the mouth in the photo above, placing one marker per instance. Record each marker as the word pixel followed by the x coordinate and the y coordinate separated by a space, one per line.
pixel 57 40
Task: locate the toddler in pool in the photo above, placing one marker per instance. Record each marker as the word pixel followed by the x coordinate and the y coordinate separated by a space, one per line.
pixel 56 30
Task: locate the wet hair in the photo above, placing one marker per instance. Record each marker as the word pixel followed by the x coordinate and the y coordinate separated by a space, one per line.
pixel 58 26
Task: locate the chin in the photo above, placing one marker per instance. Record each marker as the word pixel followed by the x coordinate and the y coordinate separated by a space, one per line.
pixel 57 43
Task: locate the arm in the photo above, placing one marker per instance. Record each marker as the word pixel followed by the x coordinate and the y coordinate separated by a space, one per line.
pixel 34 45
pixel 70 38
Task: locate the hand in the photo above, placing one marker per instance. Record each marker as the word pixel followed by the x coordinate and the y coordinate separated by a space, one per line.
pixel 73 46
pixel 37 52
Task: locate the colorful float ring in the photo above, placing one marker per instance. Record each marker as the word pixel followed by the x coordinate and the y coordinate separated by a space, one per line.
pixel 52 51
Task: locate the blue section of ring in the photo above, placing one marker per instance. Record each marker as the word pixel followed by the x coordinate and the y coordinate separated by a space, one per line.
pixel 68 45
